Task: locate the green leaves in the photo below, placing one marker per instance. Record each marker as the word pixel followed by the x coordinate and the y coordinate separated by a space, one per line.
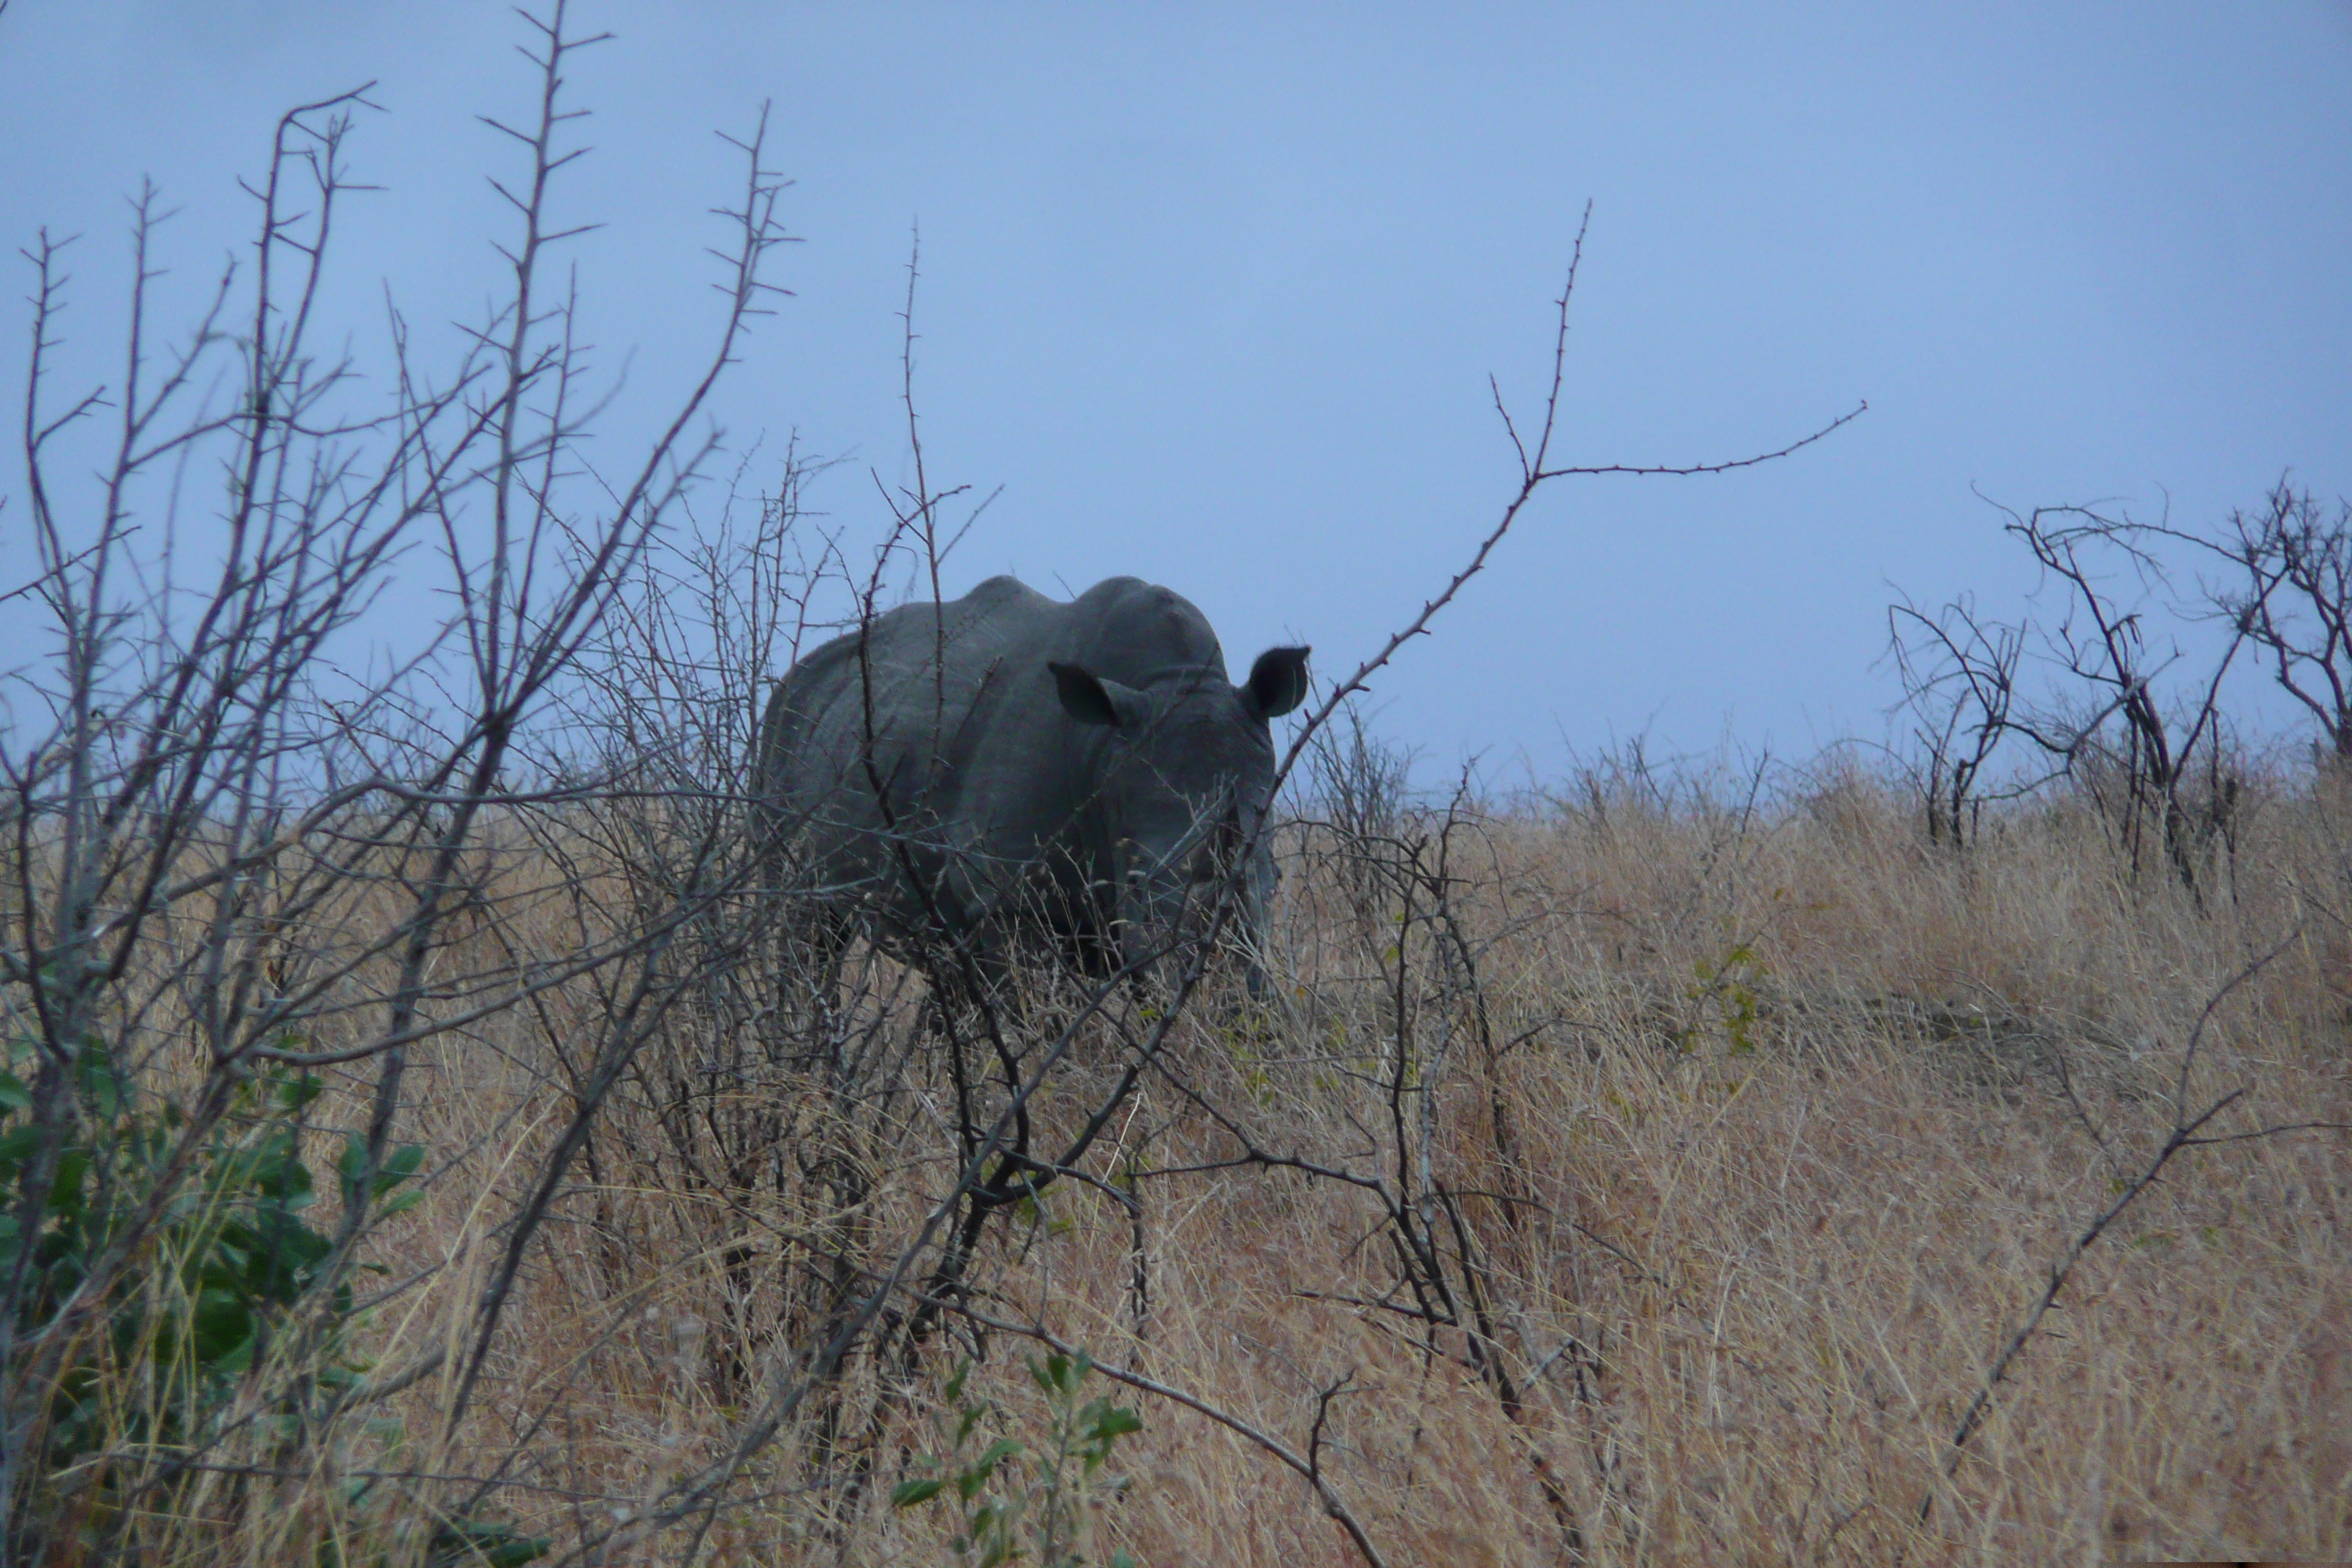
pixel 398 1166
pixel 1732 986
pixel 476 1543
pixel 982 1469
pixel 1031 1511
pixel 906 1494
pixel 98 1080
pixel 206 1248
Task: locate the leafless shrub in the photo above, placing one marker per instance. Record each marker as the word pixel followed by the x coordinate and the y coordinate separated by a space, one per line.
pixel 241 846
pixel 2147 772
pixel 2155 756
pixel 1959 684
pixel 2292 598
pixel 1415 940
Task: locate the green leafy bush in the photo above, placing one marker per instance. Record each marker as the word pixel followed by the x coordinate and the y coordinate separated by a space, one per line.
pixel 1009 1508
pixel 200 1248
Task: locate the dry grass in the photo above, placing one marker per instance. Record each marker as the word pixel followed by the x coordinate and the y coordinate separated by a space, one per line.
pixel 1781 1120
pixel 1648 1176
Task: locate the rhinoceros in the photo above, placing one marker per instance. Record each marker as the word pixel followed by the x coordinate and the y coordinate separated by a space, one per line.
pixel 1007 771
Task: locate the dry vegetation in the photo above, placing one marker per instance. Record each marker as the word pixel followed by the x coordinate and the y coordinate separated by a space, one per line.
pixel 425 1138
pixel 1748 1144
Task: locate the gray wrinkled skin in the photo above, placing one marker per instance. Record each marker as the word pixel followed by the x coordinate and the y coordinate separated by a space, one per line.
pixel 1008 769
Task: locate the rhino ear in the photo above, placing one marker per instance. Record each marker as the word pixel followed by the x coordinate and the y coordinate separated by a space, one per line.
pixel 1278 682
pixel 1091 699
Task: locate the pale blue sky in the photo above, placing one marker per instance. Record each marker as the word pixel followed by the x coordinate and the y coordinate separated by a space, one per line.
pixel 1213 291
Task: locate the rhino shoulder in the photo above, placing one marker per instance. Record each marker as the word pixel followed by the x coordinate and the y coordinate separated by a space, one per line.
pixel 1002 593
pixel 1137 628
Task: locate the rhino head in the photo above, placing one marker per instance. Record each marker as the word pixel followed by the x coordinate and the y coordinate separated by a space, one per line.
pixel 1183 777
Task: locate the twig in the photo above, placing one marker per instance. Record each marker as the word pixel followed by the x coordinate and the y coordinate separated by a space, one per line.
pixel 2182 1135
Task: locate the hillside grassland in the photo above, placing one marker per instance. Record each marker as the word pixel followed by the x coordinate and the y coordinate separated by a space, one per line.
pixel 1644 1175
pixel 453 1116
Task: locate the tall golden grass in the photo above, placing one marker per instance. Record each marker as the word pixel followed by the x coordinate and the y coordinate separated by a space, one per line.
pixel 1754 1131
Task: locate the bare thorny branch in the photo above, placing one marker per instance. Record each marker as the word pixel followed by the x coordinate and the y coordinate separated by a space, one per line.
pixel 2186 1132
pixel 208 803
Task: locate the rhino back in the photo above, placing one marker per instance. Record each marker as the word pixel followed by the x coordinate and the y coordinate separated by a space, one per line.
pixel 934 675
